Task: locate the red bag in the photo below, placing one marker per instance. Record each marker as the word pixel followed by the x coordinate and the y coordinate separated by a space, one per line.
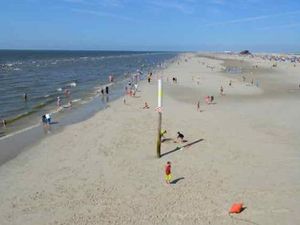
pixel 236 208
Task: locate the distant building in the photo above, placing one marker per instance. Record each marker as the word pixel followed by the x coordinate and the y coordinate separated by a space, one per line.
pixel 245 52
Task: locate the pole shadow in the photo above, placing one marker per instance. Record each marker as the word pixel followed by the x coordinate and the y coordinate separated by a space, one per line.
pixel 178 148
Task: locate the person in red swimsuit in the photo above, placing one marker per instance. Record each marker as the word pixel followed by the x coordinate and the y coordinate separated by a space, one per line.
pixel 168 172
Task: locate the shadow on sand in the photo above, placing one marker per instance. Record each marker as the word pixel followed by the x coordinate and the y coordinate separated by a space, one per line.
pixel 184 146
pixel 243 220
pixel 176 180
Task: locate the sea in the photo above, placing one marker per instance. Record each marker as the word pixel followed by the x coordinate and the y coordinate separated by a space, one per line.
pixel 45 75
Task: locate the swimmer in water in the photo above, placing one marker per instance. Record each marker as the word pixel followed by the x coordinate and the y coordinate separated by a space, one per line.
pixel 25 97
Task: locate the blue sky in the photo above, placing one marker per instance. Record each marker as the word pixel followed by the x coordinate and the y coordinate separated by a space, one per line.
pixel 203 25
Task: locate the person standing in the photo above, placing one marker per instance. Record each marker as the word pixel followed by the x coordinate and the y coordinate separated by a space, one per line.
pixel 4 123
pixel 168 174
pixel 221 91
pixel 25 97
pixel 58 102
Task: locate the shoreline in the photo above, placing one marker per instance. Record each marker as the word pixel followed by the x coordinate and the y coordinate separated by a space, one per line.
pixel 89 76
pixel 18 141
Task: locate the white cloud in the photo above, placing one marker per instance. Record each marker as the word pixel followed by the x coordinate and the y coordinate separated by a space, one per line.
pixel 103 3
pixel 101 14
pixel 280 26
pixel 183 6
pixel 249 19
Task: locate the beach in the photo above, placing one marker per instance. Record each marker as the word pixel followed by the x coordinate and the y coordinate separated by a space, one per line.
pixel 244 147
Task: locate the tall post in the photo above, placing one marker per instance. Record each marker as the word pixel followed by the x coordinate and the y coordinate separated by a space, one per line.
pixel 159 108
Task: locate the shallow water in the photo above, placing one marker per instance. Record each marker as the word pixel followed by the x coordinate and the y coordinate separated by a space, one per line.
pixel 45 75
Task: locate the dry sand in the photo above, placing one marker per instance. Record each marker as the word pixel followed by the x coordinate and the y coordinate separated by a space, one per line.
pixel 104 170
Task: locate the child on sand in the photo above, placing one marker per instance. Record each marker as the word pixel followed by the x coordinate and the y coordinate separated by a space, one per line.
pixel 146 106
pixel 162 133
pixel 168 173
pixel 180 137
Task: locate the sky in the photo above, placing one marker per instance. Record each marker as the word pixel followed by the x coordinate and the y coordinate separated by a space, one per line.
pixel 160 25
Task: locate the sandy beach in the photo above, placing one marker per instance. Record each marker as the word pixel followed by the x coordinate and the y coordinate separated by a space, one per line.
pixel 242 148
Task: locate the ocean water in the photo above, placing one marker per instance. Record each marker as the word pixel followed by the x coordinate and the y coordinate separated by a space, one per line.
pixel 44 75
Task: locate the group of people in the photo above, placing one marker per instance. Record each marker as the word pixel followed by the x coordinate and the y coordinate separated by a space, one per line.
pixel 131 88
pixel 168 171
pixel 179 137
pixel 105 91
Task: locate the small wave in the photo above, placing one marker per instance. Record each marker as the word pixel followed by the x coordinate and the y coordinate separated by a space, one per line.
pixel 59 89
pixel 72 84
pixel 17 69
pixel 20 116
pixel 76 100
pixel 84 102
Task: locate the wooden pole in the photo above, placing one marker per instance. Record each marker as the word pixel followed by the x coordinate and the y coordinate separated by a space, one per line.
pixel 158 145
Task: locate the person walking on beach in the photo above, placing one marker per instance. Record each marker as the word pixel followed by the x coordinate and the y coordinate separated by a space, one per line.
pixel 48 118
pixel 107 90
pixel 168 174
pixel 4 123
pixel 149 78
pixel 58 102
pixel 221 91
pixel 198 106
pixel 45 123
